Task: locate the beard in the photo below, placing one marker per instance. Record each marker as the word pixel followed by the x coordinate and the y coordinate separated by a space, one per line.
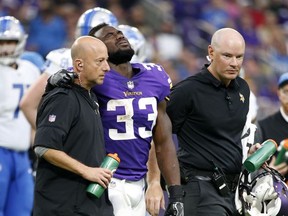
pixel 121 56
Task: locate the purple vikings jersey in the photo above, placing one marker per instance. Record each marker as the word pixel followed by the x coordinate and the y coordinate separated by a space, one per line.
pixel 129 110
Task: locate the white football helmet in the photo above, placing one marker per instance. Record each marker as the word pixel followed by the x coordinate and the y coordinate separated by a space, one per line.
pixel 11 30
pixel 137 41
pixel 92 18
pixel 262 193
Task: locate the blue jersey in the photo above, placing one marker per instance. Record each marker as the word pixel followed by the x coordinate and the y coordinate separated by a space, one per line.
pixel 129 110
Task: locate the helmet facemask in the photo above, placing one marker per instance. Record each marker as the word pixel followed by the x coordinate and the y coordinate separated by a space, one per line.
pixel 262 192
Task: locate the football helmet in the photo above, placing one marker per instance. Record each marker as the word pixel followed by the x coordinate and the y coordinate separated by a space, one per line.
pixel 94 17
pixel 11 30
pixel 262 192
pixel 137 41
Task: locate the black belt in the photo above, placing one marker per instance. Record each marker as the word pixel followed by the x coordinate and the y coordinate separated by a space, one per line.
pixel 205 175
pixel 231 184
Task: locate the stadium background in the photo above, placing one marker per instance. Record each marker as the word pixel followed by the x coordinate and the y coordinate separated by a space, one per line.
pixel 177 33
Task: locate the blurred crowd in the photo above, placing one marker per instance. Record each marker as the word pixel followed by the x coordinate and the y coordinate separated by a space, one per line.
pixel 177 33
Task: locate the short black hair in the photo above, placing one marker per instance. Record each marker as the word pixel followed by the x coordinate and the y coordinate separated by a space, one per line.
pixel 93 31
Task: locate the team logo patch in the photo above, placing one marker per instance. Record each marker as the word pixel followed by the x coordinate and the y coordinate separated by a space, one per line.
pixel 242 98
pixel 52 118
pixel 130 84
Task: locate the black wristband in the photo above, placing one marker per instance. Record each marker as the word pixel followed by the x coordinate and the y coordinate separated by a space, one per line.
pixel 176 193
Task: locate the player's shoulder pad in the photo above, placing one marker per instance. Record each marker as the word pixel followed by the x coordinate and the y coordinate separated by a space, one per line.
pixel 149 66
pixel 156 73
pixel 60 56
pixel 155 69
pixel 33 57
pixel 29 66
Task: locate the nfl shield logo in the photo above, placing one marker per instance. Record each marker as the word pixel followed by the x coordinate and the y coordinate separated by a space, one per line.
pixel 52 118
pixel 130 84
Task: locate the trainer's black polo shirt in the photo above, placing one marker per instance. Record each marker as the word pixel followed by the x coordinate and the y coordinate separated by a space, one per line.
pixel 69 120
pixel 208 119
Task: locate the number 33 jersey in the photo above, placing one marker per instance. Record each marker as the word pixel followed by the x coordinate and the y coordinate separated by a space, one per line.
pixel 128 107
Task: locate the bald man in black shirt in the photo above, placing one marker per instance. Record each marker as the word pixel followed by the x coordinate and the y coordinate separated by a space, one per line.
pixel 69 140
pixel 208 113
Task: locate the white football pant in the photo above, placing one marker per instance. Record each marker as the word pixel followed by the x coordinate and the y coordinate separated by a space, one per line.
pixel 127 197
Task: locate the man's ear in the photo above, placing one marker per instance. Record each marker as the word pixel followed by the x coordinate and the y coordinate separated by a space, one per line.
pixel 79 64
pixel 210 53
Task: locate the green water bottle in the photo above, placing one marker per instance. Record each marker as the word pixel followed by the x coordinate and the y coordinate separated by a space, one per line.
pixel 283 147
pixel 256 160
pixel 111 162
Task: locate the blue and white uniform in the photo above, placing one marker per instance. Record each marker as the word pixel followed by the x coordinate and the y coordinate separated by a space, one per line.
pixel 15 170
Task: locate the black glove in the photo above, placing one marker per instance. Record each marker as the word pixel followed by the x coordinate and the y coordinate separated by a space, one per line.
pixel 62 78
pixel 175 205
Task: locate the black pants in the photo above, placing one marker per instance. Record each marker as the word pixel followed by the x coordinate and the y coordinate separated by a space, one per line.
pixel 202 198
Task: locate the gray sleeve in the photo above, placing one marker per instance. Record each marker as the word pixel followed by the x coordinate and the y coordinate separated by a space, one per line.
pixel 40 151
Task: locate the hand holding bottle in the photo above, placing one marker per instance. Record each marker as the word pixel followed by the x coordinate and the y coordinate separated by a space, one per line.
pixel 111 162
pixel 261 155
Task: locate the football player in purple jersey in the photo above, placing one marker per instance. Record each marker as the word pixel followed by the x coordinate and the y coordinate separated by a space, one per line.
pixel 133 109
